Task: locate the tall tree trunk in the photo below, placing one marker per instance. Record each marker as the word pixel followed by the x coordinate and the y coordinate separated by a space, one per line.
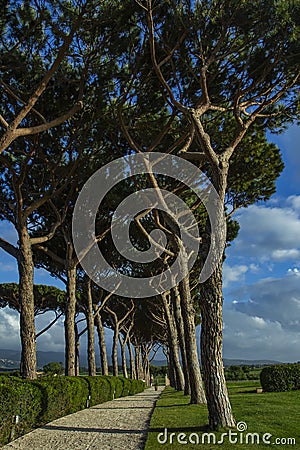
pixel 173 341
pixel 131 357
pixel 211 303
pixel 91 330
pixel 181 338
pixel 219 408
pixel 27 325
pixel 70 352
pixel 77 350
pixel 114 352
pixel 171 372
pixel 102 343
pixel 188 315
pixel 146 366
pixel 123 353
pixel 138 362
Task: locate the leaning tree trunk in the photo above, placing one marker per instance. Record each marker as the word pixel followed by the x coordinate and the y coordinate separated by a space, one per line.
pixel 101 342
pixel 188 315
pixel 131 358
pixel 219 408
pixel 91 331
pixel 70 352
pixel 181 338
pixel 173 342
pixel 27 325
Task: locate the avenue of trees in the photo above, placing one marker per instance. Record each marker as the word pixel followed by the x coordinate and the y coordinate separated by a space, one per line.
pixel 86 82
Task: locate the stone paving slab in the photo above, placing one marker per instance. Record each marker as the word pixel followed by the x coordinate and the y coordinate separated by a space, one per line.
pixel 120 424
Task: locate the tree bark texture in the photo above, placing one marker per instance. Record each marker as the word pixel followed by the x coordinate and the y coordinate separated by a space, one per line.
pixel 77 350
pixel 91 331
pixel 171 372
pixel 131 357
pixel 181 338
pixel 188 315
pixel 124 362
pixel 146 366
pixel 102 343
pixel 138 362
pixel 173 342
pixel 70 352
pixel 27 325
pixel 114 351
pixel 218 403
pixel 211 304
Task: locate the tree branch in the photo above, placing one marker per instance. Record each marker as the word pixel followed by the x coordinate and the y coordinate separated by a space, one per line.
pixel 47 125
pixel 50 253
pixel 12 130
pixel 49 326
pixel 156 65
pixel 9 248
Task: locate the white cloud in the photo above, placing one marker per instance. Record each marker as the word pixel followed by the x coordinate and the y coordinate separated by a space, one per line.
pixel 9 329
pixel 268 233
pixel 52 340
pixel 294 201
pixel 294 271
pixel 233 273
pixel 285 255
pixel 252 337
pixel 267 325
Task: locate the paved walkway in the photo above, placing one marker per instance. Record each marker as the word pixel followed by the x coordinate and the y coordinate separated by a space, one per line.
pixel 120 424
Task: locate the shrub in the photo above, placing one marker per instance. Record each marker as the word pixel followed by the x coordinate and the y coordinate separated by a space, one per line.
pixel 62 396
pixel 112 385
pixel 137 386
pixel 234 373
pixel 119 386
pixel 279 378
pixel 18 398
pixel 54 368
pixel 126 386
pixel 40 401
pixel 99 390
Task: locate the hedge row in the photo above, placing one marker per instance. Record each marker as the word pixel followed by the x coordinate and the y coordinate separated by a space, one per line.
pixel 279 378
pixel 37 402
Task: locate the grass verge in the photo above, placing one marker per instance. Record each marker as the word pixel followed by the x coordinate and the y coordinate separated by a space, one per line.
pixel 274 416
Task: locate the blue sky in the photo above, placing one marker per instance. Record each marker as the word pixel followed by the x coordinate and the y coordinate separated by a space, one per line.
pixel 261 275
pixel 262 270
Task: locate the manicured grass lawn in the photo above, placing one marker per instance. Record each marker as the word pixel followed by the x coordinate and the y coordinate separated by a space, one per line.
pixel 275 413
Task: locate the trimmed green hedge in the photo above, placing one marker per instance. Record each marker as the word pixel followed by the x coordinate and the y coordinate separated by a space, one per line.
pixel 61 396
pixel 280 378
pixel 48 398
pixel 18 398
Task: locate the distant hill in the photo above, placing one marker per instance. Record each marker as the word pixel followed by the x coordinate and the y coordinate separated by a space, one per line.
pixel 231 362
pixel 159 362
pixel 10 359
pixel 249 362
